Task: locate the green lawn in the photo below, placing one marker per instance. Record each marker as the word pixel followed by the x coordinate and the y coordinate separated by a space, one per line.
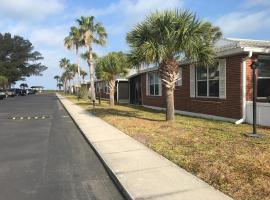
pixel 215 151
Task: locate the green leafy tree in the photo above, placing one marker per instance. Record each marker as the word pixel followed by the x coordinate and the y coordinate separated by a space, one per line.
pixel 111 66
pixel 92 33
pixel 3 81
pixel 18 59
pixel 166 37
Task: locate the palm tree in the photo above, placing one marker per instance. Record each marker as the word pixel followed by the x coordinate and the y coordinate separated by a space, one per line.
pixel 111 66
pixel 83 74
pixel 64 63
pixel 92 33
pixel 166 37
pixel 57 79
pixel 59 85
pixel 74 41
pixel 23 85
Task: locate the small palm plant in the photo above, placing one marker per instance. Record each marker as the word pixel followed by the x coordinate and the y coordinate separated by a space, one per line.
pixel 168 36
pixel 111 66
pixel 92 33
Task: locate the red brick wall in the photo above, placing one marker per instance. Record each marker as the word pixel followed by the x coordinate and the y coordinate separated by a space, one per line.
pixel 231 107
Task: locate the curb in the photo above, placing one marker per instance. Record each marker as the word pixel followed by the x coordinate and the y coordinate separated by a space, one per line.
pixel 112 175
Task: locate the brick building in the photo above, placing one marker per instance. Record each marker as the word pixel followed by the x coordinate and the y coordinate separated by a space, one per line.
pixel 222 91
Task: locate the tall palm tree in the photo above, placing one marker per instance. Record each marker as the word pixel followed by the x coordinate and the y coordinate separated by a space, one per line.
pixel 74 41
pixel 168 36
pixel 111 66
pixel 64 63
pixel 57 79
pixel 92 33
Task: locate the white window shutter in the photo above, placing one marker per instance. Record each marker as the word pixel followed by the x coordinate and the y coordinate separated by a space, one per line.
pixel 222 78
pixel 160 86
pixel 180 83
pixel 147 84
pixel 192 80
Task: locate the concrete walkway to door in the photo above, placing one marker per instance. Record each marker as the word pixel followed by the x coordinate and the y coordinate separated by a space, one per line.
pixel 139 172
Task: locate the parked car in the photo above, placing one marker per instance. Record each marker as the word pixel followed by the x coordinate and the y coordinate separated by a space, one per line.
pixel 2 94
pixel 30 91
pixel 10 93
pixel 23 92
pixel 16 91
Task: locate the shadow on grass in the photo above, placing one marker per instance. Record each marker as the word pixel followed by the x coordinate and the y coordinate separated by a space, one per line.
pixel 108 111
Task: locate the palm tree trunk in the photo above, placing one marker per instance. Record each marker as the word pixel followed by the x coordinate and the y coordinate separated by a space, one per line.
pixel 112 87
pixel 169 74
pixel 91 70
pixel 170 104
pixel 79 71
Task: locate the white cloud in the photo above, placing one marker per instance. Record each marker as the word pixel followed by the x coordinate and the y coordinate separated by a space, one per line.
pixel 130 11
pixel 29 9
pixel 49 36
pixel 252 3
pixel 237 23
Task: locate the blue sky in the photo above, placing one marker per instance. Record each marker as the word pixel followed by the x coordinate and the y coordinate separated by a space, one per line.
pixel 46 22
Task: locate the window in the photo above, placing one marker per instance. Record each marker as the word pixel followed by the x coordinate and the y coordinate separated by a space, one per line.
pixel 154 84
pixel 264 77
pixel 105 87
pixel 208 81
pixel 179 82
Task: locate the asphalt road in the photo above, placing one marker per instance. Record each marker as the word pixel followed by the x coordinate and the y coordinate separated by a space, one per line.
pixel 47 159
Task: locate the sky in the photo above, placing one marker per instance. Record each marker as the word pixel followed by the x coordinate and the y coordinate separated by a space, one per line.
pixel 46 22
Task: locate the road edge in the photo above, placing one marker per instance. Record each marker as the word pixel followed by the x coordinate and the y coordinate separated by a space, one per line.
pixel 112 175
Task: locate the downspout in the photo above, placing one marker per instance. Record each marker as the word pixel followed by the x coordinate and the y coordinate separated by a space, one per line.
pixel 117 92
pixel 244 89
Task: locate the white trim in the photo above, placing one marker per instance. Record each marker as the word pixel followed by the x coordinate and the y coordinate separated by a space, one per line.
pixel 192 114
pixel 244 90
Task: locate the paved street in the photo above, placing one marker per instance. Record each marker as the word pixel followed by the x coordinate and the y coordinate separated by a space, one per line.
pixel 47 158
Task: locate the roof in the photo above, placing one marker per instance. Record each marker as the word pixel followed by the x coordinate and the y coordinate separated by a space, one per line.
pixel 228 46
pixel 225 47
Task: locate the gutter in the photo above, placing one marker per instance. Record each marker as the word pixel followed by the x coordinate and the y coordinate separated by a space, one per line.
pixel 244 88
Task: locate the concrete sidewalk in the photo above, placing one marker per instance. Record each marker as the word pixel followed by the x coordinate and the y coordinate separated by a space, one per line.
pixel 139 172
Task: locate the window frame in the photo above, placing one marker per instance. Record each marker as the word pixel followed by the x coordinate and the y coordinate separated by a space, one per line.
pixel 207 80
pixel 262 77
pixel 154 84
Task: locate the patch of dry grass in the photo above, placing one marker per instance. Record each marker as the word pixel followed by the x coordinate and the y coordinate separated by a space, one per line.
pixel 215 151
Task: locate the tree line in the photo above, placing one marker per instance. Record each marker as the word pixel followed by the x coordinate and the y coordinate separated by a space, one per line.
pixel 18 59
pixel 163 38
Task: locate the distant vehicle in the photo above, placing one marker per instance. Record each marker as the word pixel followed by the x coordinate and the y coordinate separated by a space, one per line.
pixel 2 94
pixel 17 91
pixel 30 91
pixel 10 93
pixel 23 92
